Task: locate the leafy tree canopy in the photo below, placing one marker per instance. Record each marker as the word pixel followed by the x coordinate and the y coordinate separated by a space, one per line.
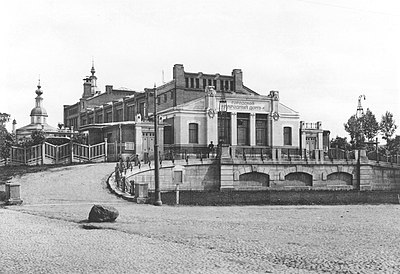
pixel 387 126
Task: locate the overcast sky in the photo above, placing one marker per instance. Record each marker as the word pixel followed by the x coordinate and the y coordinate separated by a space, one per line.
pixel 321 55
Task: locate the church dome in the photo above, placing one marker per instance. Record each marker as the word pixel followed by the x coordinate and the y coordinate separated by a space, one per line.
pixel 38 111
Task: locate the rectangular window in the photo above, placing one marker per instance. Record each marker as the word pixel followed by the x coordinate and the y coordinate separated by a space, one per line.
pixel 224 127
pixel 186 82
pixel 231 87
pixel 168 135
pixel 131 113
pixel 118 115
pixel 172 94
pixel 193 133
pixel 215 83
pixel 108 117
pixel 243 129
pixel 221 84
pixel 165 97
pixel 209 82
pixel 204 83
pixel 141 109
pixel 287 136
pixel 191 82
pixel 261 129
pixel 197 83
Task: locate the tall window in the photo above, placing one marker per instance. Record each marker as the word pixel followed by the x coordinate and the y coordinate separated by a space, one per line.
pixel 261 129
pixel 141 109
pixel 197 82
pixel 243 129
pixel 118 115
pixel 191 82
pixel 224 127
pixel 186 82
pixel 193 133
pixel 287 136
pixel 131 113
pixel 168 135
pixel 204 83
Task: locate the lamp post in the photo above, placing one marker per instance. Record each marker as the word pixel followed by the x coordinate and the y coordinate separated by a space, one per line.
pixel 157 194
pixel 360 137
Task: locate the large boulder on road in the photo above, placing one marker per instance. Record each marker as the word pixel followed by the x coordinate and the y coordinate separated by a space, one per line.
pixel 100 213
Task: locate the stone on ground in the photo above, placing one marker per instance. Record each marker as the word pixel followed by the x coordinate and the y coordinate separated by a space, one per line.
pixel 100 213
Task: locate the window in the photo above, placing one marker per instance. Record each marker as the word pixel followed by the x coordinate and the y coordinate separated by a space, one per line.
pixel 243 129
pixel 197 83
pixel 165 97
pixel 108 117
pixel 193 133
pixel 191 82
pixel 221 84
pixel 187 82
pixel 131 113
pixel 172 94
pixel 209 82
pixel 118 115
pixel 231 87
pixel 287 136
pixel 215 83
pixel 141 109
pixel 168 135
pixel 204 83
pixel 261 129
pixel 224 127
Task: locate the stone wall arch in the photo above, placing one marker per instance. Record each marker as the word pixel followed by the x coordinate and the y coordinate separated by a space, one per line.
pixel 298 179
pixel 339 178
pixel 252 180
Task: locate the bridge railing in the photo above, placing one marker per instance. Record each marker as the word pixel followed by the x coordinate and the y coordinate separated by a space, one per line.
pixel 340 154
pixel 386 158
pixel 245 153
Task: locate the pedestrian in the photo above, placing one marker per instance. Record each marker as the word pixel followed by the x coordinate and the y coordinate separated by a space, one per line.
pixel 128 163
pixel 210 149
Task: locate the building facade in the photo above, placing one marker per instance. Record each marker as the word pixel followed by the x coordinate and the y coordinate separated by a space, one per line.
pixel 194 109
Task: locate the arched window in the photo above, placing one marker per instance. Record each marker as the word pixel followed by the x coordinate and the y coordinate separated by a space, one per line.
pixel 193 133
pixel 287 136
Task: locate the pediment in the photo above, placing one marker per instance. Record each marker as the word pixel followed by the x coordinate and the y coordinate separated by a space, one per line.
pixel 194 105
pixel 286 109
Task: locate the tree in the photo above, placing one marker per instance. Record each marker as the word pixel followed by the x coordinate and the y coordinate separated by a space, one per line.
pixel 38 137
pixel 370 126
pixel 341 143
pixel 353 128
pixel 387 126
pixel 393 145
pixel 361 128
pixel 6 141
pixel 4 118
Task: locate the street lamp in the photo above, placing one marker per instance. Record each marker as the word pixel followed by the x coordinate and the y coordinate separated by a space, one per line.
pixel 360 137
pixel 157 194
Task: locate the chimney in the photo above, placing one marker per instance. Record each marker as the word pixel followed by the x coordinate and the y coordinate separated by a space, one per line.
pixel 109 89
pixel 179 75
pixel 238 79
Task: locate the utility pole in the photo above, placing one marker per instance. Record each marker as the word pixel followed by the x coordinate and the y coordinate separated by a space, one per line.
pixel 157 194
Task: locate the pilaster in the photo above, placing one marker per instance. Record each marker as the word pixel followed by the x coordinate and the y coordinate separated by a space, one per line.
pixel 252 129
pixel 233 128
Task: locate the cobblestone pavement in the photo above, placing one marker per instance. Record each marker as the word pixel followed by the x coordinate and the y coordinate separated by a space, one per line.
pixel 46 233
